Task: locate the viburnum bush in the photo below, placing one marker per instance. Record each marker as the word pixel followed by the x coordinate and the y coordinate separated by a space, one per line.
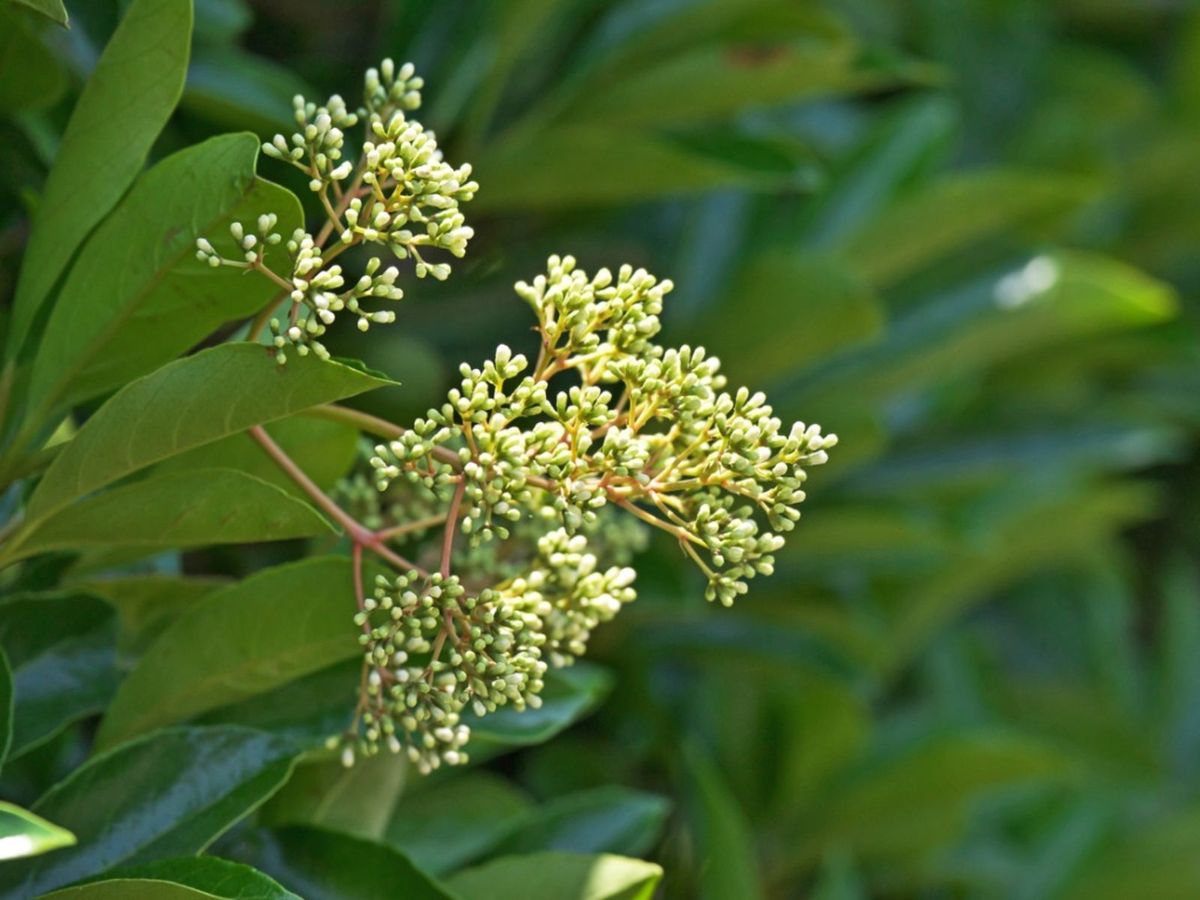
pixel 162 395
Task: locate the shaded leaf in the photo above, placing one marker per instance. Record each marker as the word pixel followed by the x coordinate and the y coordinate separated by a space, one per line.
pixel 51 9
pixel 216 877
pixel 357 800
pixel 726 865
pixel 122 888
pixel 271 628
pixel 147 604
pixel 124 105
pixel 6 706
pixel 30 76
pixel 171 793
pixel 569 695
pixel 610 819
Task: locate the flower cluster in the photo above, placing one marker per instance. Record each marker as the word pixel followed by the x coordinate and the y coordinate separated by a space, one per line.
pixel 399 194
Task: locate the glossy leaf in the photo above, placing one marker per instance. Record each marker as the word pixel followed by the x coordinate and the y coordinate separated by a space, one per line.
pixel 114 323
pixel 442 826
pixel 24 834
pixel 556 875
pixel 61 647
pixel 121 888
pixel 569 695
pixel 326 865
pixel 271 628
pixel 186 404
pixel 326 794
pixel 169 794
pixel 610 819
pixel 124 105
pixel 216 877
pixel 177 510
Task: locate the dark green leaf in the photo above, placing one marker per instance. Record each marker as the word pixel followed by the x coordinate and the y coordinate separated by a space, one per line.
pixel 276 626
pixel 124 105
pixel 123 888
pixel 357 800
pixel 6 706
pixel 112 322
pixel 724 844
pixel 147 604
pixel 610 819
pixel 556 875
pixel 570 694
pixel 177 510
pixel 326 865
pixel 186 404
pixel 235 89
pixel 445 824
pixel 24 834
pixel 169 794
pixel 63 660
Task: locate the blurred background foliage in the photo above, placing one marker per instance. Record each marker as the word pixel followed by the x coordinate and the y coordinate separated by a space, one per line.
pixel 963 235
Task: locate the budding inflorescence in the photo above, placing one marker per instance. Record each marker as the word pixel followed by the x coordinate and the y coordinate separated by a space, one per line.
pixel 524 495
pixel 399 193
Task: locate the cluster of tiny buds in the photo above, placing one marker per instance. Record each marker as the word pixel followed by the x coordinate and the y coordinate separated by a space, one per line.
pixel 400 194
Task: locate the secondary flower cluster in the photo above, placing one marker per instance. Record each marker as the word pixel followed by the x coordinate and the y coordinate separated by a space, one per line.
pixel 400 194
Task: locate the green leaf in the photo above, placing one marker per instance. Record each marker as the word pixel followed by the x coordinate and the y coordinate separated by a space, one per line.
pixel 64 665
pixel 113 322
pixel 30 76
pixel 216 877
pixel 787 311
pixel 6 706
pixel 147 604
pixel 124 888
pixel 186 404
pixel 269 629
pixel 727 868
pixel 609 819
pixel 570 694
pixel 576 169
pixel 169 794
pixel 236 89
pixel 326 865
pixel 51 9
pixel 24 834
pixel 323 448
pixel 556 875
pixel 124 105
pixel 446 824
pixel 176 510
pixel 357 800
pixel 1156 859
pixel 955 212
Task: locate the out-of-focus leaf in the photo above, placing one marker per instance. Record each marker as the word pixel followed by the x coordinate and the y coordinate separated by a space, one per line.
pixel 556 875
pixel 234 89
pixel 1157 861
pixel 178 509
pixel 907 807
pixel 569 695
pixel 357 800
pixel 6 706
pixel 276 626
pixel 221 21
pixel 1178 686
pixel 124 105
pixel 169 794
pixel 186 404
pixel 726 868
pixel 113 323
pixel 61 650
pixel 30 76
pixel 787 310
pixel 24 834
pixel 839 881
pixel 326 865
pixel 216 877
pixel 51 9
pixel 448 824
pixel 147 604
pixel 953 213
pixel 588 165
pixel 609 819
pixel 322 448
